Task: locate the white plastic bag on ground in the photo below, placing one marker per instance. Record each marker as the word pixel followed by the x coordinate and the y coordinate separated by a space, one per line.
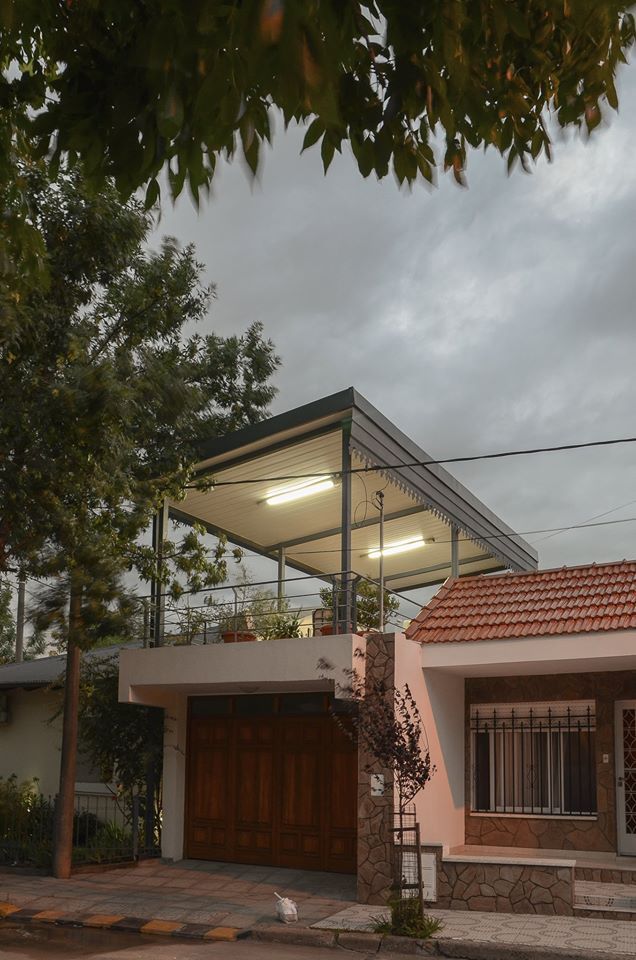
pixel 286 909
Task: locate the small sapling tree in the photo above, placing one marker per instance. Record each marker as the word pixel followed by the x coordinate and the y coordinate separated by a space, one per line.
pixel 387 725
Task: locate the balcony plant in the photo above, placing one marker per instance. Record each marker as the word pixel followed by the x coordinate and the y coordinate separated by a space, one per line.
pixel 259 615
pixel 367 606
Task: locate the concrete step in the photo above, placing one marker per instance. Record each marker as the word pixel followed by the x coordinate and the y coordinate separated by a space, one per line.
pixel 605 873
pixel 591 895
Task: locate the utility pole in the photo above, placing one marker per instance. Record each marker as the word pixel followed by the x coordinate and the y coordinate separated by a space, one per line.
pixel 19 625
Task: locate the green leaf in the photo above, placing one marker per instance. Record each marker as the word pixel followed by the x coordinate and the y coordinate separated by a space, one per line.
pixel 314 131
pixel 152 195
pixel 327 151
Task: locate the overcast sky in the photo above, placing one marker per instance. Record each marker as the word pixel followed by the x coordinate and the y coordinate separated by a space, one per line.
pixel 492 318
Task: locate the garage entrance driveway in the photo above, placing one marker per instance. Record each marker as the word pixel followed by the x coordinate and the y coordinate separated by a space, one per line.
pixel 191 891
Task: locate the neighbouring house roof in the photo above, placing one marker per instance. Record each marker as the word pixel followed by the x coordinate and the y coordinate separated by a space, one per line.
pixel 46 671
pixel 567 600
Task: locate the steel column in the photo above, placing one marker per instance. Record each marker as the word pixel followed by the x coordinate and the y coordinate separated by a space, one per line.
pixel 157 591
pixel 454 551
pixel 281 579
pixel 344 600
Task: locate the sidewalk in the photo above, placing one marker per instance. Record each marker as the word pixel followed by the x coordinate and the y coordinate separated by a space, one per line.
pixel 577 935
pixel 215 901
pixel 210 897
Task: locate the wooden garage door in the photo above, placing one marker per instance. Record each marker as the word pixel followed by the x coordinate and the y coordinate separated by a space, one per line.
pixel 270 780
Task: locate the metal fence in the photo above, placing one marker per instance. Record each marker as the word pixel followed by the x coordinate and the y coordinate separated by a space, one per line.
pixel 534 761
pixel 268 609
pixel 106 829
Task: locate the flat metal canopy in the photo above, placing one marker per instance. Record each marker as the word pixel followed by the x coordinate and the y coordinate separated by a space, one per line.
pixel 336 529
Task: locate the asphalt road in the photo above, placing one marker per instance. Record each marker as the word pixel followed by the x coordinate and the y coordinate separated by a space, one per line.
pixel 31 942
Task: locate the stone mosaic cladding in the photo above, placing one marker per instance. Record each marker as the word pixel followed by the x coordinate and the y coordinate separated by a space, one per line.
pixel 506 888
pixel 375 814
pixel 556 833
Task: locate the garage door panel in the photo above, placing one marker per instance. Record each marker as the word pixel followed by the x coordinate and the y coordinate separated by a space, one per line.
pixel 342 791
pixel 270 790
pixel 254 786
pixel 301 790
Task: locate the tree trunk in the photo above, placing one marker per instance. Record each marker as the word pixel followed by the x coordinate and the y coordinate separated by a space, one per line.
pixel 65 806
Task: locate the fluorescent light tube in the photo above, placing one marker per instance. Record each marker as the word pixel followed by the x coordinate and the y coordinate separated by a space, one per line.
pixel 401 546
pixel 297 491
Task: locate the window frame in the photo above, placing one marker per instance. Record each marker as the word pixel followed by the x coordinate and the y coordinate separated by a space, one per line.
pixel 525 721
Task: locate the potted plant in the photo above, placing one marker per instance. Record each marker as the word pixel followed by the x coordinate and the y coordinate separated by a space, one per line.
pixel 367 607
pixel 281 625
pixel 236 629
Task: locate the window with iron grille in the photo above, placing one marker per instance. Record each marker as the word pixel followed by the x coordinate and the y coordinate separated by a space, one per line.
pixel 534 758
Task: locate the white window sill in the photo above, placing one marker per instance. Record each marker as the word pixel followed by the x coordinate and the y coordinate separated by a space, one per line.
pixel 532 816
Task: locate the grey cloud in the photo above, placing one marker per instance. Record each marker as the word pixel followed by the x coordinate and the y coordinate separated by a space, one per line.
pixel 495 317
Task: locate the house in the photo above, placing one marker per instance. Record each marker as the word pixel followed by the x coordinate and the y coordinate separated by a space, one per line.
pixel 31 697
pixel 539 755
pixel 255 769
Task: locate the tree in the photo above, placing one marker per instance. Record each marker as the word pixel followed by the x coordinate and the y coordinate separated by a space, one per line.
pixel 134 90
pixel 123 741
pixel 367 604
pixel 7 625
pixel 104 400
pixel 36 644
pixel 388 723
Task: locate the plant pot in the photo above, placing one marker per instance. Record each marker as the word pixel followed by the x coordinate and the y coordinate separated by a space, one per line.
pixel 327 630
pixel 238 636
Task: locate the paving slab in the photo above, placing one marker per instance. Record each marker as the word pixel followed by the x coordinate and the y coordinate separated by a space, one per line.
pixel 165 898
pixel 576 936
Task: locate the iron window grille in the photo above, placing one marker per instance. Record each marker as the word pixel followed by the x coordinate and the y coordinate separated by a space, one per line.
pixel 535 758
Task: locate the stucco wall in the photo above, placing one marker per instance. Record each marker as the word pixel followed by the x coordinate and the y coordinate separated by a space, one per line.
pixel 30 743
pixel 440 699
pixel 561 833
pixel 174 773
pixel 154 675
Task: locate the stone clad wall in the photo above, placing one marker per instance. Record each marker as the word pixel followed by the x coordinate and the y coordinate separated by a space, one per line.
pixel 375 814
pixel 505 888
pixel 556 833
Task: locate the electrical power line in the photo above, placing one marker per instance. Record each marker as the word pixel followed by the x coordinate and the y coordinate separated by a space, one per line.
pixel 502 536
pixel 472 458
pixel 596 516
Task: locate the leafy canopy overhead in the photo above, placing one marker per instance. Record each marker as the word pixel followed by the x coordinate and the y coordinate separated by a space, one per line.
pixel 136 88
pixel 105 396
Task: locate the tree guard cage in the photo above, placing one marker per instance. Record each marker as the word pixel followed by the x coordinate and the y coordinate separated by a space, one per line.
pixel 408 896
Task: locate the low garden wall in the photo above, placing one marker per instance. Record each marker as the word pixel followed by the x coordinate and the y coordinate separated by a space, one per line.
pixel 504 886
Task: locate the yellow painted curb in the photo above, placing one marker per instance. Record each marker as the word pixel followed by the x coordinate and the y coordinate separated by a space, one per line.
pixel 6 909
pixel 48 916
pixel 221 933
pixel 161 926
pixel 102 919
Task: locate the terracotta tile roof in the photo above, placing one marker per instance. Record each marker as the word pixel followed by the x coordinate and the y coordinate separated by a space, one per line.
pixel 541 603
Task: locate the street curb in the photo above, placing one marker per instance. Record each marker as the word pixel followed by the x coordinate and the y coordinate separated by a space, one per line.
pixel 145 925
pixel 473 950
pixel 355 941
pixel 298 936
pixel 406 946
